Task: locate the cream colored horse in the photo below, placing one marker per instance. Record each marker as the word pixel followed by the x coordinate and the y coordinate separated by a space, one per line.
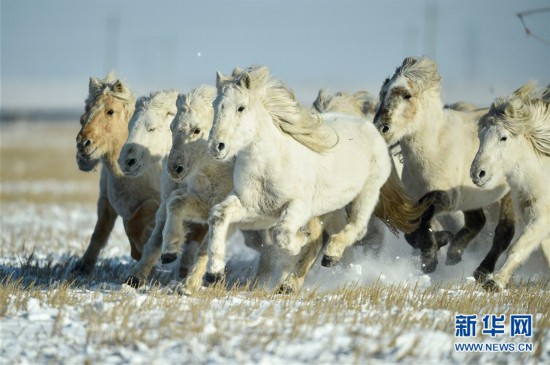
pixel 438 145
pixel 144 156
pixel 293 164
pixel 109 106
pixel 515 140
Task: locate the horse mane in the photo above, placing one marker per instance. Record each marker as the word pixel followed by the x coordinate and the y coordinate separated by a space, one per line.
pixel 525 115
pixel 421 71
pixel 461 106
pixel 163 100
pixel 360 103
pixel 198 98
pixel 111 86
pixel 303 124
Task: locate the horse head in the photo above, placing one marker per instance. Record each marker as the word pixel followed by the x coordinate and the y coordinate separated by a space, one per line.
pixel 104 123
pixel 190 130
pixel 414 82
pixel 149 138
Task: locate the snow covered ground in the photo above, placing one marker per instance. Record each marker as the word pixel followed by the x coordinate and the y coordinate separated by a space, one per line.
pixel 369 310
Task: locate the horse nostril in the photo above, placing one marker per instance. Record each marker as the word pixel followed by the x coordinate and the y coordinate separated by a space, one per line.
pixel 481 173
pixel 131 162
pixel 179 169
pixel 385 128
pixel 220 146
pixel 87 143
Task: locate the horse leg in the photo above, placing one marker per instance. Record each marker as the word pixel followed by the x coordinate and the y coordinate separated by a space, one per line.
pixel 106 217
pixel 504 233
pixel 287 234
pixel 295 280
pixel 193 281
pixel 534 234
pixel 474 221
pixel 372 242
pixel 422 238
pixel 180 208
pixel 151 251
pixel 546 251
pixel 140 225
pixel 362 208
pixel 222 215
pixel 267 263
pixel 197 233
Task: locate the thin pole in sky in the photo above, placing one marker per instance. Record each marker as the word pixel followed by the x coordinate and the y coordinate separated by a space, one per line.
pixel 112 29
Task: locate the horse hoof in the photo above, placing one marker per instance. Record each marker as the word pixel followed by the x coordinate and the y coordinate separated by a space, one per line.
pixel 169 257
pixel 80 269
pixel 429 266
pixel 443 238
pixel 492 286
pixel 285 289
pixel 211 279
pixel 133 281
pixel 329 261
pixel 481 275
pixel 453 258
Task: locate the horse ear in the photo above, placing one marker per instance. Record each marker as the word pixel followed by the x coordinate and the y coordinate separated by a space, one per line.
pixel 245 80
pixel 510 110
pixel 320 104
pixel 119 86
pixel 94 85
pixel 221 79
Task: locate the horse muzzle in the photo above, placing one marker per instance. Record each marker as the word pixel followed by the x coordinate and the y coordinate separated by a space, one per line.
pixel 219 150
pixel 177 172
pixel 85 162
pixel 479 176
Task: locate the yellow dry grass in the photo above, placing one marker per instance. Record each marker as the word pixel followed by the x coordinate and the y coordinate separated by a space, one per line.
pixel 37 153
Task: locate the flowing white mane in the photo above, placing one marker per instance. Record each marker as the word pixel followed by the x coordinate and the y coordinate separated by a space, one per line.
pixel 162 100
pixel 520 114
pixel 110 85
pixel 199 99
pixel 303 124
pixel 360 103
pixel 422 72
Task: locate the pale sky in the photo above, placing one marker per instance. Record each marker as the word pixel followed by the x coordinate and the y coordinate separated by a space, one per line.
pixel 49 48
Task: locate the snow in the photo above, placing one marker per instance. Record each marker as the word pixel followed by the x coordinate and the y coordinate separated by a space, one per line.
pixel 105 322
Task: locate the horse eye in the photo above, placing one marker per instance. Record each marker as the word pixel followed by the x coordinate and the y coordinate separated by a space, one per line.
pixel 197 131
pixel 503 139
pixel 110 112
pixel 241 108
pixel 406 96
pixel 151 129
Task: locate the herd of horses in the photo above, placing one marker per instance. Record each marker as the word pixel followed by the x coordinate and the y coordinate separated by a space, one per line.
pixel 186 171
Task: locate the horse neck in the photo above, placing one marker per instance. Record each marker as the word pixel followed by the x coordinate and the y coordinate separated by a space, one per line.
pixel 268 141
pixel 430 121
pixel 110 158
pixel 524 175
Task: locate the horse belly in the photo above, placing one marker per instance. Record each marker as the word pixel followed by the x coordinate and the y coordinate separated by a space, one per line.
pixel 341 179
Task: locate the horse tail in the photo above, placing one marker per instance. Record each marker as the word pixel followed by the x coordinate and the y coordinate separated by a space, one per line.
pixel 396 208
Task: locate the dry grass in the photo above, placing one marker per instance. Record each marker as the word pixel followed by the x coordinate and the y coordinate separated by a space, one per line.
pixel 368 321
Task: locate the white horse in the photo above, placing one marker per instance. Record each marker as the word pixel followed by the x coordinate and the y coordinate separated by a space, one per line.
pixel 360 104
pixel 109 106
pixel 438 145
pixel 293 164
pixel 515 140
pixel 144 156
pixel 208 181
